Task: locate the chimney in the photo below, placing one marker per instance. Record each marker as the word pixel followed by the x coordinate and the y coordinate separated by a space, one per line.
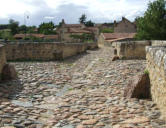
pixel 63 21
pixel 115 24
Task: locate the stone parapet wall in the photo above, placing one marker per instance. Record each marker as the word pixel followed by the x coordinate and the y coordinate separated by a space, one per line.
pixel 158 43
pixel 91 46
pixel 2 59
pixel 131 49
pixel 45 51
pixel 156 65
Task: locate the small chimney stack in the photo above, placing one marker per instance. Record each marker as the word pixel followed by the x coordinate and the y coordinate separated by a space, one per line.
pixel 63 21
pixel 115 24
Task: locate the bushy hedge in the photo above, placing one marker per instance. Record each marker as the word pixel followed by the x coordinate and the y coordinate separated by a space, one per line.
pixel 83 37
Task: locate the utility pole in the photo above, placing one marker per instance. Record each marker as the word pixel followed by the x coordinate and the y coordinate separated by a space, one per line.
pixel 26 16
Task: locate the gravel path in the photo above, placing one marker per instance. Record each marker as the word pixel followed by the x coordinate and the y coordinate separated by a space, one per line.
pixel 85 91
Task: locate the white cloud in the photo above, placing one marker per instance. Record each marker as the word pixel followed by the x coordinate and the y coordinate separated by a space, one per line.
pixel 97 10
pixel 49 17
pixel 17 7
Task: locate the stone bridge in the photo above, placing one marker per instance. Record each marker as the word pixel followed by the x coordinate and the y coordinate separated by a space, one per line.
pixel 85 91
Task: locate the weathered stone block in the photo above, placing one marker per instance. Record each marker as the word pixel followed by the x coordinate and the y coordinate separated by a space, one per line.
pixel 139 87
pixel 9 72
pixel 58 54
pixel 2 59
pixel 115 51
pixel 115 58
pixel 156 65
pixel 45 51
pixel 132 49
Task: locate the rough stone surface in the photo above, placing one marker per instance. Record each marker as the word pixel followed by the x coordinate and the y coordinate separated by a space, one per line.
pixel 156 65
pixel 2 59
pixel 63 94
pixel 9 72
pixel 45 51
pixel 132 49
pixel 115 58
pixel 139 87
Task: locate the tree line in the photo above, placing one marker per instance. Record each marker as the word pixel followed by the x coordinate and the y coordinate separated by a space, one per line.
pixel 151 26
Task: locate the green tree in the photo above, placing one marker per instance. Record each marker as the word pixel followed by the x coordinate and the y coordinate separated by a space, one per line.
pixel 152 26
pixel 22 29
pixel 107 30
pixel 14 26
pixel 31 29
pixel 83 37
pixel 47 28
pixel 89 23
pixel 82 19
pixel 6 35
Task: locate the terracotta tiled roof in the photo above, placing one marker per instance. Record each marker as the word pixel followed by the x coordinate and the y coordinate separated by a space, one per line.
pixel 92 29
pixel 37 35
pixel 125 19
pixel 111 36
pixel 28 35
pixel 118 39
pixel 77 30
pixel 73 25
pixel 51 36
pixel 19 36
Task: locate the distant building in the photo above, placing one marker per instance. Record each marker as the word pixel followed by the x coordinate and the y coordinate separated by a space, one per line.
pixel 66 30
pixel 125 26
pixel 22 36
pixel 40 36
pixel 106 39
pixel 105 26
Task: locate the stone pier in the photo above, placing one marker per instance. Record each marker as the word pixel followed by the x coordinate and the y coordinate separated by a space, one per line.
pixel 156 65
pixel 2 59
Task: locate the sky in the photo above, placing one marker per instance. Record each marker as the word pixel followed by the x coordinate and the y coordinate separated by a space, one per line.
pixel 99 11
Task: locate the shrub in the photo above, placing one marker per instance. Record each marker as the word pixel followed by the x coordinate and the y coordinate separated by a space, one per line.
pixel 146 72
pixel 152 25
pixel 107 30
pixel 84 37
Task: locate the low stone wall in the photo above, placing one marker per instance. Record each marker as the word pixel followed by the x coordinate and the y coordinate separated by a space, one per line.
pixel 2 58
pixel 131 49
pixel 45 51
pixel 91 46
pixel 158 43
pixel 156 65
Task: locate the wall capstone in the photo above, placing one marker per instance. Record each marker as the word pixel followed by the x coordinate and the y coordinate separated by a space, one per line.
pixel 156 65
pixel 2 59
pixel 45 51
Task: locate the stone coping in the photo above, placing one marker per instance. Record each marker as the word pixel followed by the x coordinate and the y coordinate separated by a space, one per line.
pixel 131 42
pixel 1 45
pixel 47 43
pixel 158 53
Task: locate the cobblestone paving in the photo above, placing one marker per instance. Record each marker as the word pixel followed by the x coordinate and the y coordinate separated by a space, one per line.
pixel 83 92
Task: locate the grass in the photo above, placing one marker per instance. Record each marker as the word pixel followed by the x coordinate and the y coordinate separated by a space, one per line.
pixel 123 58
pixel 146 72
pixel 101 60
pixel 70 89
pixel 71 64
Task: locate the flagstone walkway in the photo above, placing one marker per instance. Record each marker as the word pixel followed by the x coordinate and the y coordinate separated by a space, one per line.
pixel 85 91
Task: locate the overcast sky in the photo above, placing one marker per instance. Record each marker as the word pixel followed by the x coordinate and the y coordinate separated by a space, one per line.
pixel 55 10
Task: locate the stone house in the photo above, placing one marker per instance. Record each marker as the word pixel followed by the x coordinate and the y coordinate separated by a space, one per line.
pixel 106 39
pixel 22 36
pixel 125 26
pixel 41 36
pixel 2 59
pixel 66 30
pixel 105 26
